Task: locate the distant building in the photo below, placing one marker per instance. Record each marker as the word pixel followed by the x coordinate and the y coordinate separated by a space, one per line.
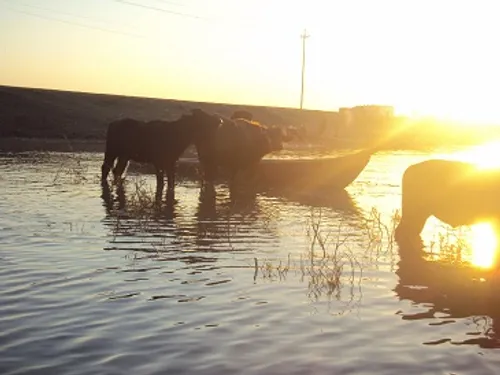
pixel 367 120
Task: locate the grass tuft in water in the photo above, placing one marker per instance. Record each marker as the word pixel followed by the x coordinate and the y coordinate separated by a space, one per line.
pixel 72 170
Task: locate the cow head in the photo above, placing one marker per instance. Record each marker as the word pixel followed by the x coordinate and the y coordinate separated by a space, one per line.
pixel 205 122
pixel 276 138
pixel 205 128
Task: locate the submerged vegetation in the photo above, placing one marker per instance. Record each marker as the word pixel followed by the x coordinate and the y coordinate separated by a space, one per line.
pixel 331 264
pixel 332 253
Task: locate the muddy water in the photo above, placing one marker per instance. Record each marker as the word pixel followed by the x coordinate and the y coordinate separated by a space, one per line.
pixel 97 282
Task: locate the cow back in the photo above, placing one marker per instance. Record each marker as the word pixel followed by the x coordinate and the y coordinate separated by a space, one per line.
pixel 158 142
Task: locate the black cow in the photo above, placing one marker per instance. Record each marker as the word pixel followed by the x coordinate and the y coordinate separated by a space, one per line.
pixel 160 143
pixel 456 193
pixel 238 144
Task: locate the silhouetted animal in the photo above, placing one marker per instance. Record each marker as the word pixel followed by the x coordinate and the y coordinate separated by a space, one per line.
pixel 160 143
pixel 456 193
pixel 239 144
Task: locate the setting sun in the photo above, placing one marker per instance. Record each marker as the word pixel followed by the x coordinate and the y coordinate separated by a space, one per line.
pixel 485 156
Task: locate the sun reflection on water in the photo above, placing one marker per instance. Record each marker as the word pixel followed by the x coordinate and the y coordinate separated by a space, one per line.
pixel 475 245
pixel 481 239
pixel 483 244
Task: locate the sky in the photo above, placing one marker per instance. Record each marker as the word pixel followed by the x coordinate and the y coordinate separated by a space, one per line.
pixel 426 57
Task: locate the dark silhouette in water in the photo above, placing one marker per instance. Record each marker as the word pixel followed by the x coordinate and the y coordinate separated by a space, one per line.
pixel 455 291
pixel 456 193
pixel 109 200
pixel 165 233
pixel 337 199
pixel 149 230
pixel 215 211
pixel 118 202
pixel 235 221
pixel 159 143
pixel 239 144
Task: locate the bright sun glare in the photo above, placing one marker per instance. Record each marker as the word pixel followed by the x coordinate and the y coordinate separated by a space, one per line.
pixel 484 244
pixel 483 239
pixel 484 156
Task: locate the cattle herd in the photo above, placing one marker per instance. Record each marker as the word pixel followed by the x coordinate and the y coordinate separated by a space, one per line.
pixel 231 144
pixel 454 192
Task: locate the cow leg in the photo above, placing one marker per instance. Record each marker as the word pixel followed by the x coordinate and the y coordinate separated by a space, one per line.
pixel 408 231
pixel 109 160
pixel 208 172
pixel 233 182
pixel 159 183
pixel 120 167
pixel 120 192
pixel 415 210
pixel 106 196
pixel 171 184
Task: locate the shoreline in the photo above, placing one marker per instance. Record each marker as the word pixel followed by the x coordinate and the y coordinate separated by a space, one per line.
pixel 34 144
pixel 19 144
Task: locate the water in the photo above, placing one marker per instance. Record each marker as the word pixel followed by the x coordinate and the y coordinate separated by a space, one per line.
pixel 228 286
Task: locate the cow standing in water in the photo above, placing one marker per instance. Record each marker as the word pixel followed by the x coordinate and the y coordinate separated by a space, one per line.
pixel 456 193
pixel 160 143
pixel 238 144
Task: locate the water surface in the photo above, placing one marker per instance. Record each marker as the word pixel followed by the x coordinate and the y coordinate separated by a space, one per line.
pixel 272 283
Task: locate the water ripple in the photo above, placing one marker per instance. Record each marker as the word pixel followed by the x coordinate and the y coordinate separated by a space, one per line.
pixel 102 282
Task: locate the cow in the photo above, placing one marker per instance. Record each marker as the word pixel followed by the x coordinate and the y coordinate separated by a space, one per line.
pixel 238 144
pixel 160 143
pixel 455 192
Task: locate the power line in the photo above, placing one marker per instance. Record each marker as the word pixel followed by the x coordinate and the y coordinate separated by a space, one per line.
pixel 149 7
pixel 170 2
pixel 51 10
pixel 73 23
pixel 304 36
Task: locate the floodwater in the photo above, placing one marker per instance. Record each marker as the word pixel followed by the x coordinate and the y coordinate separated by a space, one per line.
pixel 269 284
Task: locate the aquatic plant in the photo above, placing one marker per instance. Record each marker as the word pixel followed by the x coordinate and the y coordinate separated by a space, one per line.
pixel 72 169
pixel 335 258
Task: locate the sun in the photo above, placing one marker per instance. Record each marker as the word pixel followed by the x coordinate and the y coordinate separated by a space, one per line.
pixel 485 156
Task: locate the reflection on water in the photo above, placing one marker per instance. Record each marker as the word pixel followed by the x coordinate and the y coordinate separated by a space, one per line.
pixel 482 239
pixel 272 282
pixel 219 221
pixel 446 293
pixel 484 245
pixel 475 245
pixel 340 200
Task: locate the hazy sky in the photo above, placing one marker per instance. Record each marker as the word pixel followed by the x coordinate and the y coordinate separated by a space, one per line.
pixel 431 56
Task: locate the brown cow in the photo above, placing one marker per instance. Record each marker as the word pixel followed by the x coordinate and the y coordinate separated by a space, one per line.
pixel 237 145
pixel 456 193
pixel 160 143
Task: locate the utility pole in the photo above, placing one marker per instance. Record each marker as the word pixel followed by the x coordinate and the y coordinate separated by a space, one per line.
pixel 304 36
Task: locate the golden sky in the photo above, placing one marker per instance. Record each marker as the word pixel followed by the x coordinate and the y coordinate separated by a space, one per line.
pixel 432 57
